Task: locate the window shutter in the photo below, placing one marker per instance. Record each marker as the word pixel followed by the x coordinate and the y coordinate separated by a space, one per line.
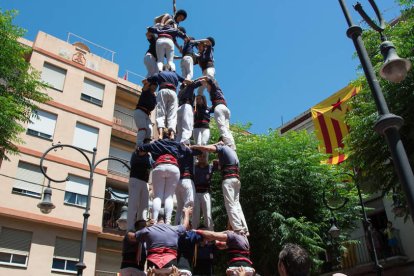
pixel 108 261
pixel 65 248
pixel 30 173
pixel 77 185
pixel 54 76
pixel 93 89
pixel 119 153
pixel 15 241
pixel 45 123
pixel 117 166
pixel 86 137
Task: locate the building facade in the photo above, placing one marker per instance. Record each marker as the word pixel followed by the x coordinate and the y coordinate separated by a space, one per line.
pixel 91 107
pixel 380 210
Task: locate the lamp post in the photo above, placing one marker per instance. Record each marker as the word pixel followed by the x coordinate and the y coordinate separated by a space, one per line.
pixel 46 205
pixel 367 225
pixel 394 70
pixel 334 231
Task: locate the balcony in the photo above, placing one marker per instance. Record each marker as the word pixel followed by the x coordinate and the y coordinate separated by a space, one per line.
pixel 358 260
pixel 125 118
pixel 124 124
pixel 117 168
pixel 113 203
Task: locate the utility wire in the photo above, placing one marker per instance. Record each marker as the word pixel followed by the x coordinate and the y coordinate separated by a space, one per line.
pixel 63 190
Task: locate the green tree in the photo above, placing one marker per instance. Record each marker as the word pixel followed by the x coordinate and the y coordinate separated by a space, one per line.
pixel 283 181
pixel 20 87
pixel 367 150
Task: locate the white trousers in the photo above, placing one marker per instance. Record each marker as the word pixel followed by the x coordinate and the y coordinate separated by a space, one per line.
pixel 184 192
pixel 203 200
pixel 210 72
pixel 151 64
pixel 166 109
pixel 165 47
pixel 132 271
pixel 137 201
pixel 144 126
pixel 201 136
pixel 185 123
pixel 164 180
pixel 222 117
pixel 231 193
pixel 187 67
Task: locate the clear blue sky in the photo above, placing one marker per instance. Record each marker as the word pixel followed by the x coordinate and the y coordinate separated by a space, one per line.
pixel 274 58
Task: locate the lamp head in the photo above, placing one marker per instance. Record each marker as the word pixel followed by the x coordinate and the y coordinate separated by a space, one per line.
pixel 46 206
pixel 334 230
pixel 394 69
pixel 122 221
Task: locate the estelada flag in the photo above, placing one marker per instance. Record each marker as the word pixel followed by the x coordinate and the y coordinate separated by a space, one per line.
pixel 329 120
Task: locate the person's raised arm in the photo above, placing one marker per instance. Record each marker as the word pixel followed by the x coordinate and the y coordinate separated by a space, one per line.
pixel 143 149
pixel 187 213
pixel 153 79
pixel 211 235
pixel 208 148
pixel 153 30
pixel 182 80
pixel 146 84
pixel 131 236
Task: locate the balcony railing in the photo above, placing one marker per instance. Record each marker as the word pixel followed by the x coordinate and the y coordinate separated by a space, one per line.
pixel 359 254
pixel 112 211
pixel 125 118
pixel 117 168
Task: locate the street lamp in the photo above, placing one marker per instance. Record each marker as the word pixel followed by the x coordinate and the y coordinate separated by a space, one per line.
pixel 122 221
pixel 394 70
pixel 366 223
pixel 46 204
pixel 334 231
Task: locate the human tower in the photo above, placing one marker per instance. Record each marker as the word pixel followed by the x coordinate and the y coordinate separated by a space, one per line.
pixel 177 166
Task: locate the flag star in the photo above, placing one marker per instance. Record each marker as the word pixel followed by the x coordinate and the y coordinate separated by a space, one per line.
pixel 337 105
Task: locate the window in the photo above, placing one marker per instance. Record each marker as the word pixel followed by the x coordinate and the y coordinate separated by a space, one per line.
pixel 14 246
pixel 29 180
pixel 76 192
pixel 66 255
pixel 92 92
pixel 86 137
pixel 44 126
pixel 54 76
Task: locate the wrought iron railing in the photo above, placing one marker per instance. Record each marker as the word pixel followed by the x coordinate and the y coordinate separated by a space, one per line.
pixel 111 212
pixel 117 168
pixel 125 118
pixel 360 253
pixel 363 255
